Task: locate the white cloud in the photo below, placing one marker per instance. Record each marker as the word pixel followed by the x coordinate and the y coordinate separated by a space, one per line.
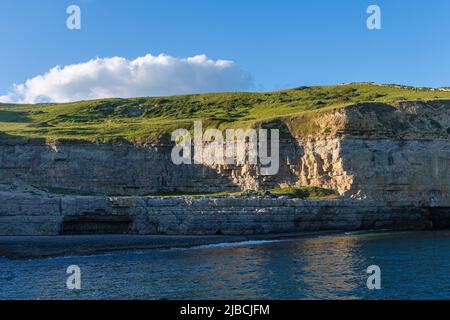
pixel 8 98
pixel 119 77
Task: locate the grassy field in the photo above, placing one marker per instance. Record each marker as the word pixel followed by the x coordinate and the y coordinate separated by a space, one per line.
pixel 141 120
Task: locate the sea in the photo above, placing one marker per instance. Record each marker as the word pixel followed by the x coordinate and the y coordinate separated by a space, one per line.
pixel 361 265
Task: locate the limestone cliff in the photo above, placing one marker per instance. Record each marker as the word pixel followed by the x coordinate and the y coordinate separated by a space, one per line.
pixel 398 153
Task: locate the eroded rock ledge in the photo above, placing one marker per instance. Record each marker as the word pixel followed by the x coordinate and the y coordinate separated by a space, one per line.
pixel 390 164
pixel 370 151
pixel 24 213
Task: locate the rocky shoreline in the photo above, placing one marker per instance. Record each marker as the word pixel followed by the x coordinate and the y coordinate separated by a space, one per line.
pixel 29 213
pixel 390 166
pixel 40 247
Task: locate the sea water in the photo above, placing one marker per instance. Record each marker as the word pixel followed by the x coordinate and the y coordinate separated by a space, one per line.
pixel 413 265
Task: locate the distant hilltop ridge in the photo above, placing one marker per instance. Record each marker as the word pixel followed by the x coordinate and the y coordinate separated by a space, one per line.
pixel 151 120
pixel 395 85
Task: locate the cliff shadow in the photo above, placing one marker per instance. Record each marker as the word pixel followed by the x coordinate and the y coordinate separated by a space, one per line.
pixel 115 169
pixel 8 139
pixel 290 153
pixel 14 116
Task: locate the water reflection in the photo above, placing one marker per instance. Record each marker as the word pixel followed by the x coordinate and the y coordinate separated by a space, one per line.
pixel 333 269
pixel 414 265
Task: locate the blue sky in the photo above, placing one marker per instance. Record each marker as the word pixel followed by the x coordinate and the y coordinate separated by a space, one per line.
pixel 280 43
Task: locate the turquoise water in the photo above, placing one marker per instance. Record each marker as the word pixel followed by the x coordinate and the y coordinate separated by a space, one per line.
pixel 413 266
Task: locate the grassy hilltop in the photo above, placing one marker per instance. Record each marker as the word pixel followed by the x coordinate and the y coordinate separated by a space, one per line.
pixel 140 120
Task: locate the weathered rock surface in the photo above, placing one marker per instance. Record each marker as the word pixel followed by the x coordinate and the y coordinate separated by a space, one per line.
pixel 391 163
pixel 382 152
pixel 34 214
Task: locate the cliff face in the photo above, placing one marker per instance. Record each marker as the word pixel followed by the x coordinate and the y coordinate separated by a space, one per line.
pixel 399 152
pixel 128 170
pixel 388 153
pixel 43 214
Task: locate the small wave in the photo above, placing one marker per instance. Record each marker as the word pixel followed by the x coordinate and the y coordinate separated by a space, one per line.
pixel 235 244
pixel 222 245
pixel 350 233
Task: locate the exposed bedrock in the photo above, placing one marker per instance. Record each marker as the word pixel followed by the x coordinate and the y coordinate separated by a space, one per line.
pixel 40 214
pixel 378 152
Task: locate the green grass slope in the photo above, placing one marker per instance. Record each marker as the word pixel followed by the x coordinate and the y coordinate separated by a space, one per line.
pixel 140 120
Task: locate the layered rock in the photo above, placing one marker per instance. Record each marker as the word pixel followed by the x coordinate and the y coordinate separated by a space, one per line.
pixel 25 213
pixel 372 151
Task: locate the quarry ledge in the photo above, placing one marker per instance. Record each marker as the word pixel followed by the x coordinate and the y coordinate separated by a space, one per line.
pixel 29 214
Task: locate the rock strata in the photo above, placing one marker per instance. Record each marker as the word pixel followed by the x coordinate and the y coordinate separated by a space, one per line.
pixel 391 165
pixel 35 214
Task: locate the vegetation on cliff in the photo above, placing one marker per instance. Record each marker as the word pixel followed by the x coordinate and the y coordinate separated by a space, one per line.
pixel 141 120
pixel 304 192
